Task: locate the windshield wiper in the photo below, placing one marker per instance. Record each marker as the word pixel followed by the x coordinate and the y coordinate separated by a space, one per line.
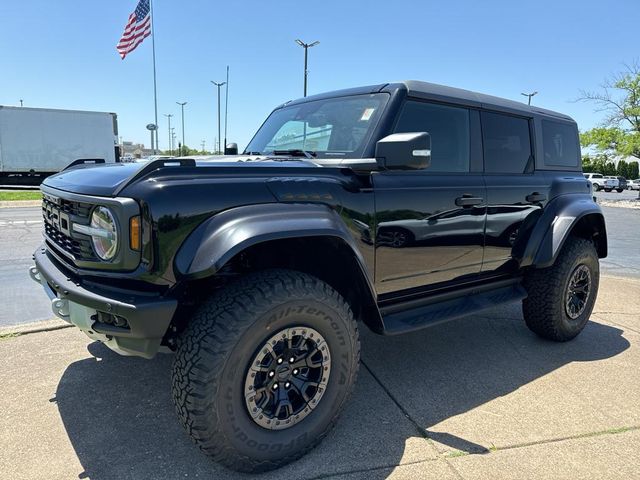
pixel 296 153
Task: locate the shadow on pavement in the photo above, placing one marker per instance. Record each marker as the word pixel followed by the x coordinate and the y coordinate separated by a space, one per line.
pixel 119 416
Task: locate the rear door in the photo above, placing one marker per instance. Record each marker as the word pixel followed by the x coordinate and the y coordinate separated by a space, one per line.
pixel 430 223
pixel 515 191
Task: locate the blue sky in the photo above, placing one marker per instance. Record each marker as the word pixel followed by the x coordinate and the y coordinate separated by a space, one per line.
pixel 61 54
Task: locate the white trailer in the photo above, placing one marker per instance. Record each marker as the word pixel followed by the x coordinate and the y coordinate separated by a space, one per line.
pixel 40 141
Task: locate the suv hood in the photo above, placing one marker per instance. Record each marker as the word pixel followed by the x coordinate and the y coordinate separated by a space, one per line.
pixel 106 179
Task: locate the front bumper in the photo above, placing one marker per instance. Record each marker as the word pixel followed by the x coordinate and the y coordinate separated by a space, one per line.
pixel 147 316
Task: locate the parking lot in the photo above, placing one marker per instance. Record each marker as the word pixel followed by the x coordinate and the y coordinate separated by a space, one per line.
pixel 480 397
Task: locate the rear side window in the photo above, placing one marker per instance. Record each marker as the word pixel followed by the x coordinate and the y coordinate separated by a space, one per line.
pixel 449 130
pixel 560 144
pixel 506 143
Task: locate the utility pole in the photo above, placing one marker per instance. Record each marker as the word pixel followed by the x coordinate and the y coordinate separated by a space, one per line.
pixel 21 103
pixel 306 47
pixel 203 143
pixel 182 104
pixel 169 115
pixel 226 111
pixel 173 138
pixel 218 85
pixel 529 95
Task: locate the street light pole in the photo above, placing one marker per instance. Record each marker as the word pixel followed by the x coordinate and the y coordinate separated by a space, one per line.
pixel 169 115
pixel 306 47
pixel 218 85
pixel 182 104
pixel 529 95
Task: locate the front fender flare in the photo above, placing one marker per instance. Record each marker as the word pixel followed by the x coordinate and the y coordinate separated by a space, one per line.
pixel 221 237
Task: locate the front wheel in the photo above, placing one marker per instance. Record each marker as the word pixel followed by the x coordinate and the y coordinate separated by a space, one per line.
pixel 561 298
pixel 619 190
pixel 264 368
pixel 596 187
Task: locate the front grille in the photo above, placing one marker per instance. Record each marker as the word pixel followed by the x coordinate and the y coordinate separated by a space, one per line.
pixel 79 249
pixel 59 214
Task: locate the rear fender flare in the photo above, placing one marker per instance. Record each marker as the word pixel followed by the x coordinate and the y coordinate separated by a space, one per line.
pixel 560 217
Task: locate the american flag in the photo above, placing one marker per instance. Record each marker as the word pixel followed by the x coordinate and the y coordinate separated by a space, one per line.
pixel 137 29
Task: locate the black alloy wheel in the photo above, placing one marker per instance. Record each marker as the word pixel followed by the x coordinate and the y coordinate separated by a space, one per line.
pixel 287 377
pixel 578 291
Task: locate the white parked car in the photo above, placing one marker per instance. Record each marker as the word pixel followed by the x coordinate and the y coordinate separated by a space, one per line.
pixel 611 183
pixel 633 184
pixel 596 179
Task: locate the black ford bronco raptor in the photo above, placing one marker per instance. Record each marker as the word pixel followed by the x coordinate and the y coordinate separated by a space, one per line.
pixel 394 206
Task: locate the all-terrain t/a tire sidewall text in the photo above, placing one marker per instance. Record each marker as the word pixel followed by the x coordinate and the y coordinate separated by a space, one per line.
pixel 254 440
pixel 214 356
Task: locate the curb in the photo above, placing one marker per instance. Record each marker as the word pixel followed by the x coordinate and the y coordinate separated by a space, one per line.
pixel 20 203
pixel 35 327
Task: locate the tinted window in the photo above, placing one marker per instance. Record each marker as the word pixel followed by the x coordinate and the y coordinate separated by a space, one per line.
pixel 560 143
pixel 506 143
pixel 449 130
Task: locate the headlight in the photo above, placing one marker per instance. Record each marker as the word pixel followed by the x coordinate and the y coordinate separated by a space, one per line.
pixel 104 233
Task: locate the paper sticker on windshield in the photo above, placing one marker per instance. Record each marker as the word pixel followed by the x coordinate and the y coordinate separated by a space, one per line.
pixel 366 115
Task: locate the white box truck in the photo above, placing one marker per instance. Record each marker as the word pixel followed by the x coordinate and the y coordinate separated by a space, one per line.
pixel 36 142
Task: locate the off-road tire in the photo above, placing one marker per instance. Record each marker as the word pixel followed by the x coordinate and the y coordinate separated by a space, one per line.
pixel 215 351
pixel 545 309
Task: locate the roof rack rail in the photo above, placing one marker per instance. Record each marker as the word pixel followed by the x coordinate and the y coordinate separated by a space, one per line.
pixel 155 165
pixel 83 161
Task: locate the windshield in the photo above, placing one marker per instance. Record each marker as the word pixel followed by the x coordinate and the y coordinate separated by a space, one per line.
pixel 333 127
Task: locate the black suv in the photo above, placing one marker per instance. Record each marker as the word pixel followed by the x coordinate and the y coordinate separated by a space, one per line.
pixel 394 206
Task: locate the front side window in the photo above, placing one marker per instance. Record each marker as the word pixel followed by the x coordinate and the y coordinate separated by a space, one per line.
pixel 449 130
pixel 506 143
pixel 330 128
pixel 560 143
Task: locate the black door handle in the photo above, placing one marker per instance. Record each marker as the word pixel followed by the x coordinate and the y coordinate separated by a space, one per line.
pixel 536 197
pixel 467 200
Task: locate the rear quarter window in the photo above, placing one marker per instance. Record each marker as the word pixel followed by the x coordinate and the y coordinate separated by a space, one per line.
pixel 560 144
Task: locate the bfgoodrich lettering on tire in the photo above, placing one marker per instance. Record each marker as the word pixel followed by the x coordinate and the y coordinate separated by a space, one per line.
pixel 264 368
pixel 561 297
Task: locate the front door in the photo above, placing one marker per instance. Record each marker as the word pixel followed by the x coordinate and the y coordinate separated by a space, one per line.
pixel 430 223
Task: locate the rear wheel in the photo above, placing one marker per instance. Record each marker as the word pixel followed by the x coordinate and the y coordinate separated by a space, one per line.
pixel 264 368
pixel 561 297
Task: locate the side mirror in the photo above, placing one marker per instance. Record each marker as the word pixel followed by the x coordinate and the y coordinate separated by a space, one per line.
pixel 404 151
pixel 231 149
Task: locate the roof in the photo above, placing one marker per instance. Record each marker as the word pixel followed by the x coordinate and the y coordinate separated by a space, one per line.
pixel 442 93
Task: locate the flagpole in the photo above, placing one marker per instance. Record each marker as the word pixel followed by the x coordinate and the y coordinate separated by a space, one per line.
pixel 226 107
pixel 155 89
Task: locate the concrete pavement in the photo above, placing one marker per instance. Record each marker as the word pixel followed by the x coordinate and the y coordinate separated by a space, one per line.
pixel 480 398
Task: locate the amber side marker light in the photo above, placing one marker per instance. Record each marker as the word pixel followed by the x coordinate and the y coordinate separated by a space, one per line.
pixel 134 233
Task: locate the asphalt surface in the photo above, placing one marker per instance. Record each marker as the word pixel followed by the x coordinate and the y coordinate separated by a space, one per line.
pixel 21 299
pixel 477 398
pixel 20 234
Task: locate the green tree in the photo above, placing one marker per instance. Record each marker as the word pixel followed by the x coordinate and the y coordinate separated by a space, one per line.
pixel 619 99
pixel 622 169
pixel 633 171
